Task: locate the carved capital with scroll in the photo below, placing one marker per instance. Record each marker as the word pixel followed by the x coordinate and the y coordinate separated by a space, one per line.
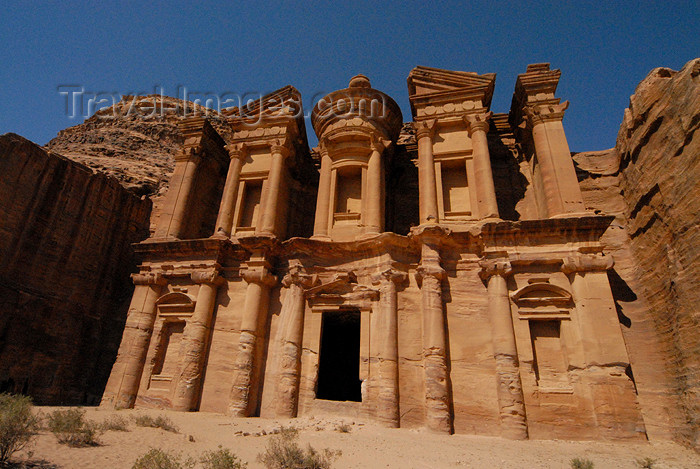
pixel 490 267
pixel 537 114
pixel 587 263
pixel 425 128
pixel 479 121
pixel 389 275
pixel 207 276
pixel 237 151
pixel 148 278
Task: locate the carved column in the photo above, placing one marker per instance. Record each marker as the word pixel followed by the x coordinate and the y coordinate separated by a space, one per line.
pixel 560 185
pixel 375 197
pixel 292 318
pixel 437 394
pixel 194 342
pixel 427 183
pixel 388 405
pixel 190 159
pixel 123 384
pixel 323 200
pixel 274 186
pixel 510 391
pixel 224 221
pixel 478 126
pixel 254 310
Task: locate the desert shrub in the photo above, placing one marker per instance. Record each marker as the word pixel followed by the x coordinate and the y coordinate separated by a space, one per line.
pixel 343 428
pixel 71 428
pixel 159 422
pixel 283 452
pixel 646 463
pixel 115 423
pixel 17 424
pixel 222 459
pixel 581 463
pixel 159 459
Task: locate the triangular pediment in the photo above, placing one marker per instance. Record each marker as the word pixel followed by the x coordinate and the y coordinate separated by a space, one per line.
pixel 425 81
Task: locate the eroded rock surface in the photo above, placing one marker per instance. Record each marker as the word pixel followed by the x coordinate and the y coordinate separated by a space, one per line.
pixel 65 259
pixel 650 183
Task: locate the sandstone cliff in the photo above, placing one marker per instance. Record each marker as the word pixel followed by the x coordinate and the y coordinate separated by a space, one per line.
pixel 134 141
pixel 65 259
pixel 650 183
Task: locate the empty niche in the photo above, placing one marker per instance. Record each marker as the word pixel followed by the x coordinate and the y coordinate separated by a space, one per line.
pixel 548 353
pixel 348 202
pixel 168 360
pixel 339 361
pixel 455 189
pixel 251 204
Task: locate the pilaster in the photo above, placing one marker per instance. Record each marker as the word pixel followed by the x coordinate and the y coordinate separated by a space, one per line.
pixel 194 341
pixel 511 401
pixel 292 317
pixel 224 221
pixel 257 298
pixel 388 406
pixel 123 384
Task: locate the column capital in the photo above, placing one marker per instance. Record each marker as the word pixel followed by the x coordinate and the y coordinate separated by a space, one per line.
pixel 148 278
pixel 425 128
pixel 189 153
pixel 430 270
pixel 478 121
pixel 207 276
pixel 587 263
pixel 296 276
pixel 280 147
pixel 378 143
pixel 539 113
pixel 261 276
pixel 237 151
pixel 491 267
pixel 388 275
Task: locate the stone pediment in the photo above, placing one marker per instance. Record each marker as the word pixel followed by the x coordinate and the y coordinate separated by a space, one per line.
pixel 426 84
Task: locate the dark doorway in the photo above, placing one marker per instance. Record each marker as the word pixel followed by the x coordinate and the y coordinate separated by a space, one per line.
pixel 339 367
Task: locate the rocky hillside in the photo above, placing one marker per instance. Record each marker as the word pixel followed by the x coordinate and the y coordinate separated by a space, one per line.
pixel 134 141
pixel 649 181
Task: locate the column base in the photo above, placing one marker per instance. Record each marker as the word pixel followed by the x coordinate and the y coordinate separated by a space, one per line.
pixel 321 238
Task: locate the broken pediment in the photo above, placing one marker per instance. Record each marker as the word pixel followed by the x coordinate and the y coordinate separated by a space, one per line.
pixel 428 82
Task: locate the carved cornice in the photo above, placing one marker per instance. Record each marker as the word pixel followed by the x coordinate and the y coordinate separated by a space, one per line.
pixel 587 263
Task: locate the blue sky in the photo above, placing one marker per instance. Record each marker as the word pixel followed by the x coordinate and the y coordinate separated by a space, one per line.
pixel 603 49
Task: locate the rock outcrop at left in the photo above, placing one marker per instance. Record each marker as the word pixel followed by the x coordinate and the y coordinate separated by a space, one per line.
pixel 65 259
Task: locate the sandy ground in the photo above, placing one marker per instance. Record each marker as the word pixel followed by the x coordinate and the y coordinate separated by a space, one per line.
pixel 364 446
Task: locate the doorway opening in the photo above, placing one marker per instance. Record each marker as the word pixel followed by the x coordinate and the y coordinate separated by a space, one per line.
pixel 339 366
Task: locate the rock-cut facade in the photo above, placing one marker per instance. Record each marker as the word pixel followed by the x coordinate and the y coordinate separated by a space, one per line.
pixel 442 273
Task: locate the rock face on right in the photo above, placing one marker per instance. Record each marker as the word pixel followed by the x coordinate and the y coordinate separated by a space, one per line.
pixel 649 182
pixel 659 150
